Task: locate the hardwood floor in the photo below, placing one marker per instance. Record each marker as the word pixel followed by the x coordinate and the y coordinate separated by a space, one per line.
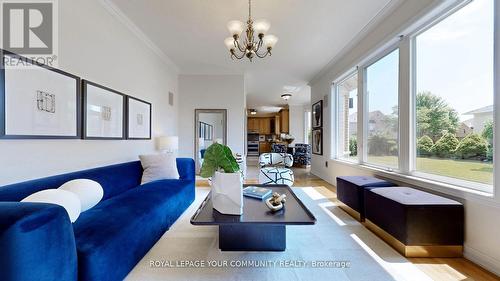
pixel 439 269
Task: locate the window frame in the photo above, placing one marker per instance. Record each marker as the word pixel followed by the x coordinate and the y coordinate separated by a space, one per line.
pixel 336 112
pixel 365 105
pixel 412 40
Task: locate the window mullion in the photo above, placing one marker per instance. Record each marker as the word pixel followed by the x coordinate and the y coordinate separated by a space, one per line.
pixel 362 120
pixel 496 102
pixel 405 108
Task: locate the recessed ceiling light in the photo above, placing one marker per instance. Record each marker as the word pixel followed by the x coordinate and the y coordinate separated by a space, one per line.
pixel 253 111
pixel 286 96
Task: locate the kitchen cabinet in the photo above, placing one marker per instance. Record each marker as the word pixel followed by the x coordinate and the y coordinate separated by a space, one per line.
pixel 253 125
pixel 265 126
pixel 277 125
pixel 284 116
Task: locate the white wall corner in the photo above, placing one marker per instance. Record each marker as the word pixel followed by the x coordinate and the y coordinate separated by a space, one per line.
pixel 127 22
pixel 485 261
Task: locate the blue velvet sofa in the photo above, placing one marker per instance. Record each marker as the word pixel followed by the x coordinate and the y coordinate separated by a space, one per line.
pixel 38 241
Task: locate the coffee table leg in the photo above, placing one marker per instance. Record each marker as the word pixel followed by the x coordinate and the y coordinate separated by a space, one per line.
pixel 252 237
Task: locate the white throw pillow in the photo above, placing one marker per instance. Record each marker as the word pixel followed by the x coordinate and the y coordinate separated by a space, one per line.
pixel 63 198
pixel 158 167
pixel 88 191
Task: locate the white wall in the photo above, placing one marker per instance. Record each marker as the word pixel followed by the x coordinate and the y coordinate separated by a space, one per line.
pixel 211 92
pixel 297 122
pixel 96 46
pixel 481 213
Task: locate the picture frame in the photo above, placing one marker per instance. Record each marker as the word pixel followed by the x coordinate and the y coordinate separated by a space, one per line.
pixel 104 112
pixel 139 123
pixel 317 141
pixel 317 114
pixel 35 103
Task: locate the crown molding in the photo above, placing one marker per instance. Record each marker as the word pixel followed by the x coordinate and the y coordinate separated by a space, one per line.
pixel 127 22
pixel 388 9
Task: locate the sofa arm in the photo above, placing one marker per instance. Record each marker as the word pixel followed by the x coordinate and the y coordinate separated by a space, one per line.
pixel 36 242
pixel 186 169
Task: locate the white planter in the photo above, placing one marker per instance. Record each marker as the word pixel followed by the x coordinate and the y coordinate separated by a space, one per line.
pixel 227 193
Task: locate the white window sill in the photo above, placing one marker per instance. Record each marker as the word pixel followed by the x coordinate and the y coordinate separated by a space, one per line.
pixel 421 182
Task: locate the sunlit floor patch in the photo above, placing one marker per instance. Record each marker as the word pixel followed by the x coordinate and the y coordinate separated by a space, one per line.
pixel 401 270
pixel 451 273
pixel 325 207
pixel 313 193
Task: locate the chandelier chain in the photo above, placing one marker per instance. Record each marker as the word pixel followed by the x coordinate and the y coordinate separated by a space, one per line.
pixel 249 10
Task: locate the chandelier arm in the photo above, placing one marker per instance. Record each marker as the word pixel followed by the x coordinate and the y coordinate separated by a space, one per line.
pixel 233 53
pixel 268 52
pixel 237 45
pixel 262 55
pixel 258 45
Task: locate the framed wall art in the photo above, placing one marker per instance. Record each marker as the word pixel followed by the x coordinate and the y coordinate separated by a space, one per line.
pixel 317 114
pixel 139 119
pixel 38 101
pixel 317 141
pixel 103 112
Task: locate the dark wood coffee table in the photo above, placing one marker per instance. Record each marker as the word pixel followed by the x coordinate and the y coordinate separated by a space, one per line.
pixel 257 229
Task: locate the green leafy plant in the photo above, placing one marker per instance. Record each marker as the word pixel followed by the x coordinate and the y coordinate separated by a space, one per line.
pixel 424 146
pixel 488 135
pixel 445 146
pixel 435 116
pixel 472 146
pixel 353 146
pixel 218 157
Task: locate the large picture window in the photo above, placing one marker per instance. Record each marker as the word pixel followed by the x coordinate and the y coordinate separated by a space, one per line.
pixel 347 117
pixel 454 95
pixel 427 100
pixel 382 128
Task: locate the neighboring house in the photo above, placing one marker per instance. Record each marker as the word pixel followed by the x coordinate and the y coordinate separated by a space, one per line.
pixel 480 117
pixel 375 122
pixel 464 128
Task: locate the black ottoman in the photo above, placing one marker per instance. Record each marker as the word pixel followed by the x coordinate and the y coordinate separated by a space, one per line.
pixel 350 192
pixel 415 222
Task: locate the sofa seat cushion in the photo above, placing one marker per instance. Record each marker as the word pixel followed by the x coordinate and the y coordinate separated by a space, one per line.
pixel 350 191
pixel 416 217
pixel 114 235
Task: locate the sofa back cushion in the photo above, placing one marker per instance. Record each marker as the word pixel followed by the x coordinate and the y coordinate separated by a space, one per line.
pixel 114 179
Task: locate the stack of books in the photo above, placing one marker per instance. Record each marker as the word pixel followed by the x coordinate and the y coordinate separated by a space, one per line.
pixel 257 192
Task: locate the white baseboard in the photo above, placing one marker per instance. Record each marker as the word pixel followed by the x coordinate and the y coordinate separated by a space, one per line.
pixel 485 261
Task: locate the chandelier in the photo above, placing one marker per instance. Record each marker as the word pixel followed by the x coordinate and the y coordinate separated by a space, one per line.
pixel 250 46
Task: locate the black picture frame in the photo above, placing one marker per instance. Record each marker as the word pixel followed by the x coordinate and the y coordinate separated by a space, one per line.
pixel 128 118
pixel 317 135
pixel 317 114
pixel 85 84
pixel 3 130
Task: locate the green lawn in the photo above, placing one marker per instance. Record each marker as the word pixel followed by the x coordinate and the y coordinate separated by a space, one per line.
pixel 461 169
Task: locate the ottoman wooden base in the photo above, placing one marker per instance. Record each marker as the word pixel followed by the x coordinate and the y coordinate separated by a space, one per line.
pixel 353 213
pixel 415 251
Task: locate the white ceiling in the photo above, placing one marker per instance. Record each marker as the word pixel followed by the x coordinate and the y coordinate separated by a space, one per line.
pixel 310 32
